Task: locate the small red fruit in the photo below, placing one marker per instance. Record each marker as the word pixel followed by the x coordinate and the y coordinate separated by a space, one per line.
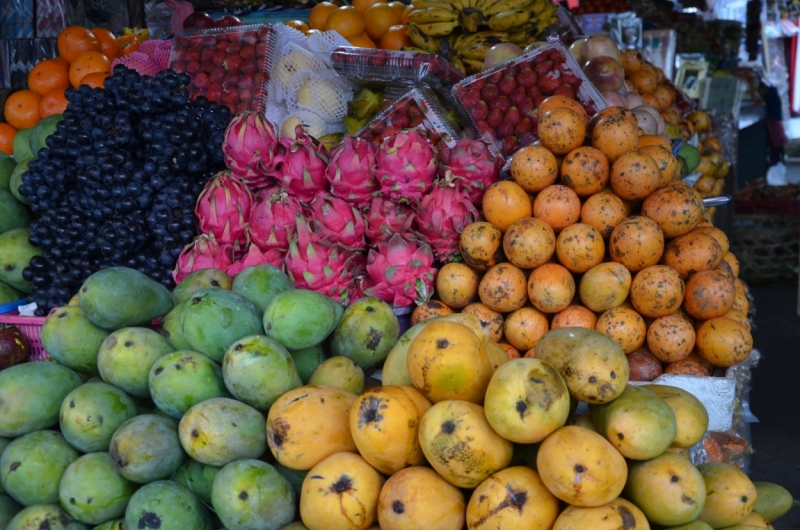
pixel 517 95
pixel 471 98
pixel 513 116
pixel 495 77
pixel 505 129
pixel 401 121
pixel 526 106
pixel 510 144
pixel 489 92
pixel 565 90
pixel 550 82
pixel 527 78
pixel 247 52
pixel 495 118
pixel 543 68
pixel 502 103
pixel 524 127
pixel 507 85
pixel 479 111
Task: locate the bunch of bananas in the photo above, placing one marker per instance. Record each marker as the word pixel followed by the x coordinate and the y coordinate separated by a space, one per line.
pixel 451 27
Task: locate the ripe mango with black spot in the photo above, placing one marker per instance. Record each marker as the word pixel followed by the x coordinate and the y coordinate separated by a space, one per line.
pixel 307 360
pixel 8 509
pixel 166 505
pixel 146 448
pixel 252 495
pixel 15 254
pixel 23 411
pixel 774 501
pixel 182 379
pixel 752 522
pixel 261 283
pixel 117 524
pixel 300 319
pixel 172 329
pixel 199 280
pixel 618 514
pixel 731 495
pixel 220 430
pixel 638 423
pixel 50 516
pixel 92 492
pixel 32 465
pixel 126 356
pixel 213 319
pixel 13 214
pixel 339 372
pixel 198 477
pixel 368 331
pixel 91 414
pixel 72 340
pixel 691 415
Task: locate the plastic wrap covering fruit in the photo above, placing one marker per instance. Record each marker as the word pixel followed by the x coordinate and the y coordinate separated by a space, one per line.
pixel 387 66
pixel 418 108
pixel 501 103
pixel 229 65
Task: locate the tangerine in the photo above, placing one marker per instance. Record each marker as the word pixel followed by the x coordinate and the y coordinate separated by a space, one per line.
pixel 7 134
pixel 75 40
pixel 108 43
pixel 54 102
pixel 128 44
pixel 395 38
pixel 319 15
pixel 87 63
pixel 22 109
pixel 299 25
pixel 407 11
pixel 379 18
pixel 49 75
pixel 362 5
pixel 346 21
pixel 95 80
pixel 362 41
pixel 400 7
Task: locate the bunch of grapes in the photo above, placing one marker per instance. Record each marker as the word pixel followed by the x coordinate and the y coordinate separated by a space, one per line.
pixel 118 181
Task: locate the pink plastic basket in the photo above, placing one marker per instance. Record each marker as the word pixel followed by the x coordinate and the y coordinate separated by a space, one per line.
pixel 31 327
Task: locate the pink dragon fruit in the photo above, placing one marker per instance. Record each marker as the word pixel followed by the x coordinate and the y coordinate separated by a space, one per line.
pixel 251 149
pixel 202 253
pixel 337 222
pixel 386 218
pixel 254 257
pixel 401 272
pixel 474 163
pixel 223 208
pixel 405 166
pixel 301 170
pixel 272 221
pixel 441 216
pixel 321 267
pixel 350 171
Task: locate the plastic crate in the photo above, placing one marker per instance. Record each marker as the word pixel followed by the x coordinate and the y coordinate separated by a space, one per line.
pixel 31 327
pixel 12 306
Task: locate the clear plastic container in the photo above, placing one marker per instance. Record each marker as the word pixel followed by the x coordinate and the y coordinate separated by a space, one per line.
pixel 418 107
pixel 229 65
pixel 522 84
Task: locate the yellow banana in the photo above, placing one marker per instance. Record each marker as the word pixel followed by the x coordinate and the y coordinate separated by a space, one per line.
pixel 506 5
pixel 438 29
pixel 470 19
pixel 459 65
pixel 472 66
pixel 421 40
pixel 509 19
pixel 432 15
pixel 540 6
pixel 483 5
pixel 481 39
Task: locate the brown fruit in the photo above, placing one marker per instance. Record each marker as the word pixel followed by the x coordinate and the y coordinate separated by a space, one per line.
pixel 580 247
pixel 624 326
pixel 622 112
pixel 551 288
pixel 615 135
pixel 524 327
pixel 645 79
pixel 503 288
pixel 665 96
pixel 691 253
pixel 733 262
pixel 634 176
pixel 709 294
pixel 574 316
pixel 631 60
pixel 643 366
pixel 687 367
pixel 666 162
pixel 657 291
pixel 637 242
pixel 490 320
pixel 676 208
pixel 481 245
pixel 671 338
pixel 505 202
pixel 723 342
pixel 14 347
pixel 428 310
pixel 561 130
pixel 603 211
pixel 558 206
pixel 534 168
pixel 717 234
pixel 457 285
pixel 585 171
pixel 529 242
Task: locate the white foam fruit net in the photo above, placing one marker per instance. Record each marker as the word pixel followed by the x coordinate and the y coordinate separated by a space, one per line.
pixel 301 70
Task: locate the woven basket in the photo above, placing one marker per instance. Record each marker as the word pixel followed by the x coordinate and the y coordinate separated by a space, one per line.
pixel 767 246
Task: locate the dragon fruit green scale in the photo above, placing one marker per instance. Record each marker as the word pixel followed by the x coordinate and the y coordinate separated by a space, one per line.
pixel 405 166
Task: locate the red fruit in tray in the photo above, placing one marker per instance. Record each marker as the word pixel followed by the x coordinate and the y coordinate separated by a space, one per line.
pixel 507 85
pixel 233 63
pixel 517 95
pixel 234 48
pixel 569 77
pixel 565 90
pixel 505 129
pixel 249 67
pixel 415 112
pixel 246 82
pixel 495 77
pixel 192 67
pixel 509 145
pixel 243 106
pixel 555 54
pixel 206 54
pixel 231 81
pixel 192 54
pixel 261 49
pixel 206 66
pixel 378 58
pixel 513 116
pixel 416 122
pixel 527 78
pixel 489 92
pixel 538 100
pixel 247 51
pixel 478 84
pixel 511 70
pixel 221 45
pixel 523 127
pixel 526 105
pixel 218 58
pixel 263 33
pixel 543 68
pixel 378 127
pixel 479 111
pixel 201 80
pixel 471 98
pixel 550 81
pixel 401 121
pixel 418 61
pixel 533 92
pixel 230 97
pixel 495 118
pixel 461 93
pixel 260 79
pixel 483 125
pixel 245 94
pixel 214 92
pixel 217 74
pixel 502 103
pixel 389 131
pixel 182 42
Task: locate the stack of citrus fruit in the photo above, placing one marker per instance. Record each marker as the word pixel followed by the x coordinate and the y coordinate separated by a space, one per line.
pixel 366 23
pixel 85 58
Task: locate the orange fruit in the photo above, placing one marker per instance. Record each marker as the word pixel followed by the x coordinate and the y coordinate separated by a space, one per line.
pixel 404 17
pixel 362 5
pixel 319 15
pixel 74 40
pixel 395 38
pixel 54 102
pixel 108 43
pixel 49 75
pixel 346 21
pixel 87 63
pixel 299 25
pixel 400 7
pixel 379 18
pixel 362 41
pixel 95 79
pixel 7 134
pixel 22 109
pixel 128 44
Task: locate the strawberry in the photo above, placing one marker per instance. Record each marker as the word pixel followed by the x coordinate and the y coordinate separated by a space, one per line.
pixel 234 48
pixel 477 84
pixel 459 92
pixel 513 116
pixel 543 68
pixel 416 122
pixel 489 92
pixel 206 54
pixel 504 130
pixel 526 106
pixel 218 58
pixel 502 103
pixel 482 125
pixel 556 55
pixel 415 112
pixel 402 107
pixel 533 92
pixel 565 90
pixel 261 49
pixel 378 58
pixel 507 85
pixel 242 106
pixel 495 77
pixel 538 101
pixel 233 63
pixel 495 118
pixel 201 80
pixel 401 121
pixel 217 74
pixel 510 144
pixel 517 95
pixel 246 82
pixel 245 94
pixel 192 67
pixel 569 77
pixel 378 127
pixel 479 111
pixel 194 55
pixel 523 127
pixel 550 81
pixel 247 52
pixel 388 131
pixel 248 67
pixel 470 98
pixel 214 92
pixel 527 78
pixel 511 70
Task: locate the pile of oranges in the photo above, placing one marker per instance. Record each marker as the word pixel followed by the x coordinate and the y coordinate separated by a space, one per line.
pixel 365 23
pixel 84 58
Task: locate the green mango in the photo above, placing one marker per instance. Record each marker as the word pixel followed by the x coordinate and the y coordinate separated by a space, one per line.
pixel 8 294
pixel 119 297
pixel 70 339
pixel 146 448
pixel 773 501
pixel 43 129
pixel 91 414
pixel 339 372
pixel 694 525
pixel 692 156
pixel 49 516
pixel 294 476
pixel 15 255
pixel 116 524
pixel 166 505
pixel 172 330
pixel 15 181
pixel 23 411
pixel 199 478
pixel 126 356
pixel 182 379
pixel 13 214
pixel 22 145
pixel 300 319
pixel 199 280
pixel 307 360
pixel 368 331
pixel 3 444
pixel 92 492
pixel 7 165
pixel 8 509
pixel 261 283
pixel 683 168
